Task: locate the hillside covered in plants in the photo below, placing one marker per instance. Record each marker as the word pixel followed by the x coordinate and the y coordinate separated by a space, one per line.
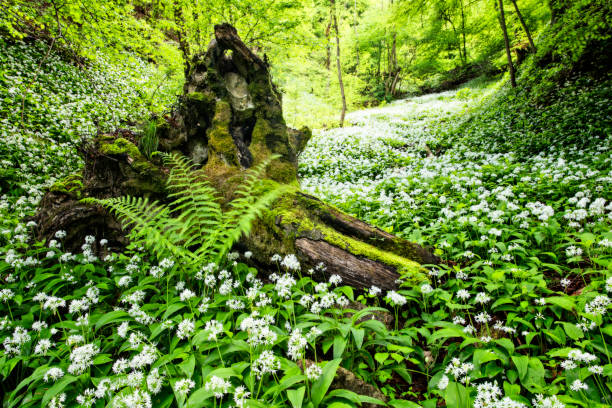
pixel 172 235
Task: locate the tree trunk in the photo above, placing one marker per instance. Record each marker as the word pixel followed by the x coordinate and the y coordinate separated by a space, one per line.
pixel 502 22
pixel 179 21
pixel 328 52
pixel 395 82
pixel 520 16
pixel 379 59
pixel 229 119
pixel 393 68
pixel 355 33
pixel 196 23
pixel 463 33
pixel 332 5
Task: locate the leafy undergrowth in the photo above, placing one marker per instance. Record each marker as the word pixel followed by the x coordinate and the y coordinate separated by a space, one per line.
pixel 48 104
pixel 515 315
pixel 516 202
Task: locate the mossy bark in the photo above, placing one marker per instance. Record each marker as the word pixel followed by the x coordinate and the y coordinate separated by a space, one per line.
pixel 229 119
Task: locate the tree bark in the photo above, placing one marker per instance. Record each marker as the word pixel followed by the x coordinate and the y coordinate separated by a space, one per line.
pixel 179 21
pixel 520 16
pixel 393 68
pixel 328 52
pixel 332 5
pixel 463 32
pixel 229 119
pixel 355 33
pixel 502 22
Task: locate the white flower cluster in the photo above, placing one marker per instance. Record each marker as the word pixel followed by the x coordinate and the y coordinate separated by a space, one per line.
pixel 460 371
pixel 259 329
pixel 266 363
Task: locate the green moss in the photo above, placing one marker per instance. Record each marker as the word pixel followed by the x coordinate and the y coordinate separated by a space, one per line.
pixel 282 172
pixel 118 146
pixel 287 213
pixel 404 266
pixel 200 102
pixel 162 124
pixel 72 185
pixel 265 141
pixel 122 146
pixel 105 137
pixel 258 136
pixel 397 245
pixel 219 138
pixel 200 97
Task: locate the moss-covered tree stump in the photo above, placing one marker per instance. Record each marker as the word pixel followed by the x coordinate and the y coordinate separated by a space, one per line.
pixel 229 119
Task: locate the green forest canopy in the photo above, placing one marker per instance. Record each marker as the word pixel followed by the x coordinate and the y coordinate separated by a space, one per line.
pixel 387 47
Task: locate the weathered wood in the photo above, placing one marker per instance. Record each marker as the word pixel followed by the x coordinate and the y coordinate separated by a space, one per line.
pixel 355 272
pixel 230 118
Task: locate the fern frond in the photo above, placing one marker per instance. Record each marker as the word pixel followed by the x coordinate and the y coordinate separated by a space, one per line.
pixel 194 200
pixel 251 200
pixel 148 223
pixel 238 223
pixel 194 218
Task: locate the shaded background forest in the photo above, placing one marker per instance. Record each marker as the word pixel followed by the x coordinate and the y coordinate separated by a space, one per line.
pixel 387 48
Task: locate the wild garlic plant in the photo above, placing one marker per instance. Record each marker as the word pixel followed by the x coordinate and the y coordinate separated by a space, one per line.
pixel 111 335
pixel 524 236
pixel 517 314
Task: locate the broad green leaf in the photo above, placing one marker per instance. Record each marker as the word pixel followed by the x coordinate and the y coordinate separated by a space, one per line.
pixel 403 404
pixel 358 335
pixel 564 302
pixel 320 387
pixel 339 405
pixel 446 333
pixel 534 381
pixel 339 346
pixel 572 331
pixel 353 397
pixel 112 317
pixel 296 397
pixel 483 356
pixel 381 357
pixel 188 366
pixel 455 395
pixel 522 365
pixel 555 336
pixel 199 398
pixel 57 388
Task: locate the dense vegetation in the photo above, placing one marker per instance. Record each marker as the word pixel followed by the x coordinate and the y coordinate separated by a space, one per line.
pixel 510 186
pixel 387 48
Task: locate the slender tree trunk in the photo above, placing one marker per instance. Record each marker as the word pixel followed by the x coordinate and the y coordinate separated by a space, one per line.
pixel 502 22
pixel 449 20
pixel 355 33
pixel 393 74
pixel 179 20
pixel 524 24
pixel 379 58
pixel 463 32
pixel 327 43
pixel 332 4
pixel 196 22
pixel 328 51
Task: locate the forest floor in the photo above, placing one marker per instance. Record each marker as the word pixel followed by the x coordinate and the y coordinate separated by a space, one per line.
pixel 524 235
pixel 515 200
